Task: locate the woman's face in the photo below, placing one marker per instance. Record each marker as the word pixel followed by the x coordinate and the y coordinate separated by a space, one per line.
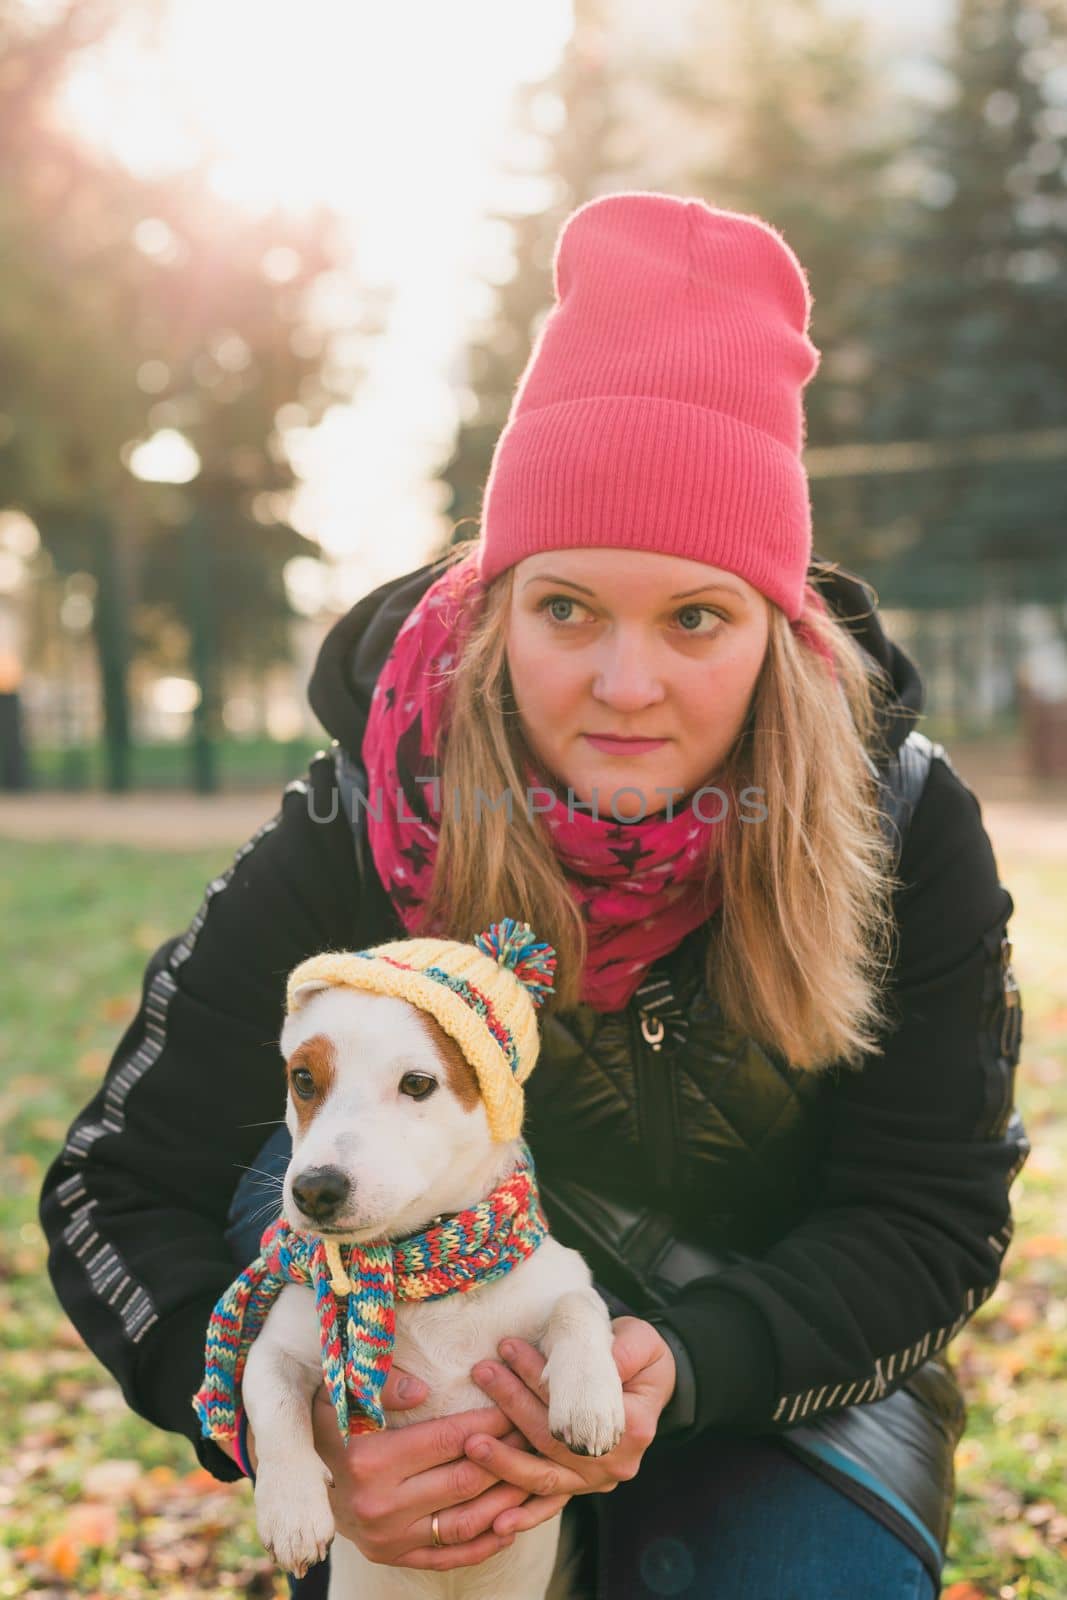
pixel 632 643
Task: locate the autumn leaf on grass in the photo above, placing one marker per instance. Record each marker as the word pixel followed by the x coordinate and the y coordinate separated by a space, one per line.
pixel 89 1527
pixel 118 1008
pixel 1020 1315
pixel 113 1480
pixel 964 1591
pixel 48 1128
pixel 151 1491
pixel 68 1336
pixel 1043 1247
pixel 62 1556
pixel 93 1064
pixel 198 1481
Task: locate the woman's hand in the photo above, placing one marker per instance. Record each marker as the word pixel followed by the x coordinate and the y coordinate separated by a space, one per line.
pixel 553 1474
pixel 387 1485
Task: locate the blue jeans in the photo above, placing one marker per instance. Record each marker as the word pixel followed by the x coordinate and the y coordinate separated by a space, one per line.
pixel 723 1518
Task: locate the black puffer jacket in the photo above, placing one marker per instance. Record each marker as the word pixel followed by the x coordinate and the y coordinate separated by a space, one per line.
pixel 832 1232
pixel 838 1229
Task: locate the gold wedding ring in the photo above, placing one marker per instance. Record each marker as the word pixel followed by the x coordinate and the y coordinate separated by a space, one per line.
pixel 436 1532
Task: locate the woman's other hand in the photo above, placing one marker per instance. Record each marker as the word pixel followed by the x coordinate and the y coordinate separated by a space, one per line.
pixel 388 1484
pixel 552 1473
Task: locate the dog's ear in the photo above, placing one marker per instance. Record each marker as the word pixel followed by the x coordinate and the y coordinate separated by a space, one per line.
pixel 303 992
pixel 292 1027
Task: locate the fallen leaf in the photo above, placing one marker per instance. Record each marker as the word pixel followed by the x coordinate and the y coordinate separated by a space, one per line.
pixel 198 1480
pixel 92 1065
pixel 67 1335
pixel 49 1128
pixel 62 1555
pixel 1043 1247
pixel 117 1008
pixel 112 1480
pixel 92 1525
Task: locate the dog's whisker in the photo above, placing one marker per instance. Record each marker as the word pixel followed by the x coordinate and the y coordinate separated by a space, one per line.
pixel 273 1176
pixel 268 1209
pixel 274 1122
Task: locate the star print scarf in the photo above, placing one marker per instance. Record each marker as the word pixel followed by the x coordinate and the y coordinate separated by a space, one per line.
pixel 640 885
pixel 356 1288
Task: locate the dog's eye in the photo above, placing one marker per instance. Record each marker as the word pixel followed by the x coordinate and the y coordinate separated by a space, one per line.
pixel 304 1089
pixel 418 1085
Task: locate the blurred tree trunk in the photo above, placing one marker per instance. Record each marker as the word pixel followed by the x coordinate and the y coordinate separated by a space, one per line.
pixel 111 634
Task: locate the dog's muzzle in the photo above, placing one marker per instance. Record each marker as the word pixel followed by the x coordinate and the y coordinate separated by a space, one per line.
pixel 321 1193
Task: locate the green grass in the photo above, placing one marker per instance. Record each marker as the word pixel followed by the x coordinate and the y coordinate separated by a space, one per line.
pixel 96 1502
pixel 240 764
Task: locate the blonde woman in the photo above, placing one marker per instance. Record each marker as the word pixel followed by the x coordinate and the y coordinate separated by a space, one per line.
pixel 773 1105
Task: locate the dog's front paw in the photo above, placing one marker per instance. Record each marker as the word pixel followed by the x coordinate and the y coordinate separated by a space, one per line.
pixel 294 1516
pixel 585 1404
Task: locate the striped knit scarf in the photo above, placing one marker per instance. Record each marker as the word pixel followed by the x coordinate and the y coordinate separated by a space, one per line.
pixel 467 1250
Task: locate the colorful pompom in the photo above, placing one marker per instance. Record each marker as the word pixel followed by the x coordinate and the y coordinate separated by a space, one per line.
pixel 514 945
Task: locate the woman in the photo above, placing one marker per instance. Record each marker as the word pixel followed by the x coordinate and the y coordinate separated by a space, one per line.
pixel 773 1103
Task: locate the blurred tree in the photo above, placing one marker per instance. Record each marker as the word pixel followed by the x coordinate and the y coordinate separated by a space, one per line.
pixel 140 319
pixel 786 115
pixel 972 337
pixel 564 131
pixel 771 108
pixel 790 122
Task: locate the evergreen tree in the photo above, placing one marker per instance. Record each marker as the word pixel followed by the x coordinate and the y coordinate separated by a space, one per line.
pixel 788 119
pixel 790 124
pixel 974 333
pixel 773 109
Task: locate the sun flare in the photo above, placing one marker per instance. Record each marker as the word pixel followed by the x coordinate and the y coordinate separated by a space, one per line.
pixel 392 116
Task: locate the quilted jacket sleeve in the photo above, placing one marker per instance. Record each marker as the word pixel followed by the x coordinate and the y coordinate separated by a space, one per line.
pixel 913 1217
pixel 134 1206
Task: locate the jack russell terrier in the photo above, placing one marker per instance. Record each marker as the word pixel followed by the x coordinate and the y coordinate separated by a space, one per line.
pixel 410 1209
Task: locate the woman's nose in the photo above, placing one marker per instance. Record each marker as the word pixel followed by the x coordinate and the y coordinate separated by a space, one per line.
pixel 627 680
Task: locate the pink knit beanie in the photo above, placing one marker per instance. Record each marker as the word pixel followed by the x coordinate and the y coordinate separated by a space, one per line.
pixel 661 408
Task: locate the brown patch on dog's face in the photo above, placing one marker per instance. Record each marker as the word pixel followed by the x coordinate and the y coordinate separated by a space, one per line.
pixel 313 1060
pixel 459 1074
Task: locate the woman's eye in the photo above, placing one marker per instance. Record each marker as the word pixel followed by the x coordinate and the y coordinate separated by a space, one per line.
pixel 557 600
pixel 303 1083
pixel 418 1085
pixel 698 611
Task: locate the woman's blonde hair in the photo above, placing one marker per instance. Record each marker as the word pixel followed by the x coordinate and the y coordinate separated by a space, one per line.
pixel 799 956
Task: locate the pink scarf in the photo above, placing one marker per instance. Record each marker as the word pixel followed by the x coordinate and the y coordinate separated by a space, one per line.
pixel 640 885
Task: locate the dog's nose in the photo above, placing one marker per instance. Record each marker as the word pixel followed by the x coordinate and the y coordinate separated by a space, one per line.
pixel 321 1192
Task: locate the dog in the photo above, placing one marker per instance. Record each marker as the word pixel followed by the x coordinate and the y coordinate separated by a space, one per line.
pixel 389 1133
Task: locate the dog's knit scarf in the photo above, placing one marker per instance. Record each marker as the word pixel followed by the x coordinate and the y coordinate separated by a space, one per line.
pixel 463 1252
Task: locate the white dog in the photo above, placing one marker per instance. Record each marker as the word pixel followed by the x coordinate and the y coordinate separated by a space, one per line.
pixel 389 1132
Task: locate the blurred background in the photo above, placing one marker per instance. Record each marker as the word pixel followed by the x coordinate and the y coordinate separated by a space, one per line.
pixel 268 276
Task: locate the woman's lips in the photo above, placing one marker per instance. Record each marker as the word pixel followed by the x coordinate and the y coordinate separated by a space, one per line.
pixel 618 747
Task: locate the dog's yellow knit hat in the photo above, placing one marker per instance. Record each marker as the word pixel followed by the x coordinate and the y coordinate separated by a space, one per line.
pixel 485 995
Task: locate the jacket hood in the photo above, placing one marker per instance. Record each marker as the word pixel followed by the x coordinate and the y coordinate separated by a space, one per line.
pixel 355 650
